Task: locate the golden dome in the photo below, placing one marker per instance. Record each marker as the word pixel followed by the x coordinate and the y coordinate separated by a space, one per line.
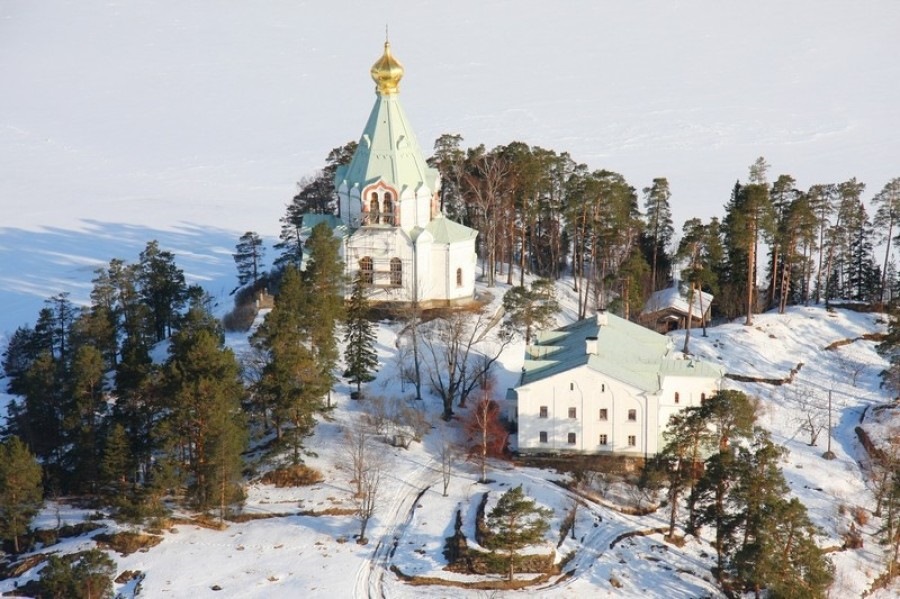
pixel 387 72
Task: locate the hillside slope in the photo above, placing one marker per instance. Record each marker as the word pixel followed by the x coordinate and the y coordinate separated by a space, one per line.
pixel 305 545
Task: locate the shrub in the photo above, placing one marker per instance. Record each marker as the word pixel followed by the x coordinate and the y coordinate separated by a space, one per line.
pixel 240 319
pixel 88 574
pixel 126 543
pixel 299 475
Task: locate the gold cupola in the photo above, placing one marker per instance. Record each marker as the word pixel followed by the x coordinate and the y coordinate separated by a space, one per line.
pixel 387 73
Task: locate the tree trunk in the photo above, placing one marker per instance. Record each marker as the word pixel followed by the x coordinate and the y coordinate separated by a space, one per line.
pixel 690 317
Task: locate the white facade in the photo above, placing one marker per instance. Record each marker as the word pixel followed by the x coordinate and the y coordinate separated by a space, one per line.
pixel 394 235
pixel 605 388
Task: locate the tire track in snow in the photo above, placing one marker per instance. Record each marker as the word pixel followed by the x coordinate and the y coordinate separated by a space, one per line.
pixel 370 576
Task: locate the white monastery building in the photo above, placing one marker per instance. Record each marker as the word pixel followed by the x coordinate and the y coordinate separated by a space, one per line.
pixel 605 385
pixel 394 234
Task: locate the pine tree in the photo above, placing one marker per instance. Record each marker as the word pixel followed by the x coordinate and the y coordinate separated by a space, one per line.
pixel 700 246
pixel 117 464
pixel 515 523
pixel 749 218
pixel 530 308
pixel 292 380
pixel 84 575
pixel 323 295
pixel 449 160
pixel 40 421
pixel 163 288
pixel 84 415
pixel 887 217
pixel 20 489
pixel 248 257
pixel 659 229
pixel 777 549
pixel 205 419
pixel 686 437
pixel 22 349
pixel 314 195
pixel 359 337
pixel 730 416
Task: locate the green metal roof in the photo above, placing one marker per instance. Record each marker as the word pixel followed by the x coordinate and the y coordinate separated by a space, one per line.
pixel 445 230
pixel 388 150
pixel 625 351
pixel 310 220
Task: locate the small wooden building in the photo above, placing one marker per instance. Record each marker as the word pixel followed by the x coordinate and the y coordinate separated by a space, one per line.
pixel 667 309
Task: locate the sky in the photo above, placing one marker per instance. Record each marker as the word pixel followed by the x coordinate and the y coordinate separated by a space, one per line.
pixel 121 122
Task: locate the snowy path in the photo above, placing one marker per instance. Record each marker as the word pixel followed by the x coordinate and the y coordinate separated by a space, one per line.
pixel 398 514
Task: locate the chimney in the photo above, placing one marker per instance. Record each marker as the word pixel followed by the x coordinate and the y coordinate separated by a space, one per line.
pixel 590 346
pixel 602 318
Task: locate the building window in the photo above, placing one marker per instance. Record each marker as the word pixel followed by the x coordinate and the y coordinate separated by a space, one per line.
pixel 373 209
pixel 387 216
pixel 543 412
pixel 459 277
pixel 632 415
pixel 602 387
pixel 396 272
pixel 573 413
pixel 632 440
pixel 603 440
pixel 677 397
pixel 571 439
pixel 571 386
pixel 366 271
pixel 702 398
pixel 542 436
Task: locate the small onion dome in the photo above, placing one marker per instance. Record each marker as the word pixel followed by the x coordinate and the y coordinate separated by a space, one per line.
pixel 387 72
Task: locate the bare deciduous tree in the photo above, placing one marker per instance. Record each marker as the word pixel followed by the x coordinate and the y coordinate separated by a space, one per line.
pixel 813 410
pixel 449 452
pixel 487 435
pixel 368 463
pixel 456 356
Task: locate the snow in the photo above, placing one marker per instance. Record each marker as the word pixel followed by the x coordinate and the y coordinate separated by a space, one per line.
pixel 190 123
pixel 296 553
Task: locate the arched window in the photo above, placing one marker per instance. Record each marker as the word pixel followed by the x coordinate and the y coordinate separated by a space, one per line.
pixel 459 277
pixel 702 398
pixel 387 217
pixel 373 209
pixel 677 397
pixel 366 270
pixel 396 272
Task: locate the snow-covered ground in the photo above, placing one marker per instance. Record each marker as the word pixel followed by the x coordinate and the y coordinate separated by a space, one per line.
pixel 293 554
pixel 190 123
pixel 122 122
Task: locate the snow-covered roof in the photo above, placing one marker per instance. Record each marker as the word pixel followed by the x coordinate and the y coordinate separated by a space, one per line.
pixel 673 297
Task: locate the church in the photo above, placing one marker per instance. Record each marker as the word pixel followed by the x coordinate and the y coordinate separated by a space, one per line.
pixel 394 235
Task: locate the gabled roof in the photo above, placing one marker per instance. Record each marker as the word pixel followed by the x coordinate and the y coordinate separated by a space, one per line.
pixel 388 150
pixel 674 298
pixel 446 231
pixel 625 351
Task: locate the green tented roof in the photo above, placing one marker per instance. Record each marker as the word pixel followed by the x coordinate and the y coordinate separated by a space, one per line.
pixel 388 150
